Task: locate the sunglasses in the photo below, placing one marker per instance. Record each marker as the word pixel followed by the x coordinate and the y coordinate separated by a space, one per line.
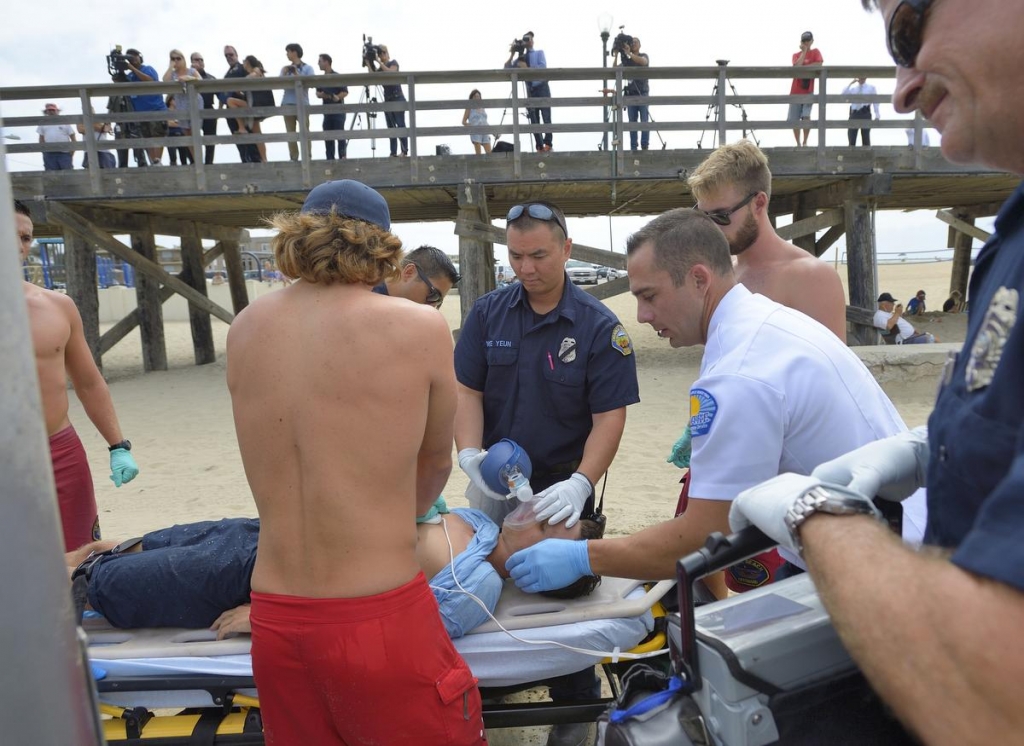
pixel 434 297
pixel 724 217
pixel 538 211
pixel 906 29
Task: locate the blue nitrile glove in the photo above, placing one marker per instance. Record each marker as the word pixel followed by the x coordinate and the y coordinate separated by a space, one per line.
pixel 97 672
pixel 680 455
pixel 549 565
pixel 469 461
pixel 563 501
pixel 123 468
pixel 892 468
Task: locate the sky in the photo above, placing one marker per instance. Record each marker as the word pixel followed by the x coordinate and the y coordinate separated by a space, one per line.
pixel 463 35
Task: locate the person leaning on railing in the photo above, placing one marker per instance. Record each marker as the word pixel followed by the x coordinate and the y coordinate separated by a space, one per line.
pixel 394 119
pixel 633 57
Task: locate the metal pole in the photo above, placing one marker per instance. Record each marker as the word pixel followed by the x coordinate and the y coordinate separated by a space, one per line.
pixel 44 684
pixel 604 87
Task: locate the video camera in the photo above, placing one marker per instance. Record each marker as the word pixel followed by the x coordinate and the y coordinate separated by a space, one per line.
pixel 518 46
pixel 117 63
pixel 371 51
pixel 623 43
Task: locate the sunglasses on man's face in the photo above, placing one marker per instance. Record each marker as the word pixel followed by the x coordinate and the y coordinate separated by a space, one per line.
pixel 905 31
pixel 434 297
pixel 724 217
pixel 538 211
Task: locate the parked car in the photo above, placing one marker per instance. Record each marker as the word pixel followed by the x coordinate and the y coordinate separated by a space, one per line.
pixel 581 273
pixel 610 273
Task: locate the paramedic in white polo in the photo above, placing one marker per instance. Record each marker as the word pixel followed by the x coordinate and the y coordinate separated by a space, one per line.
pixel 777 392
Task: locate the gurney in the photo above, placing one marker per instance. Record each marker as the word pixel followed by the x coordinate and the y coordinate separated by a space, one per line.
pixel 211 682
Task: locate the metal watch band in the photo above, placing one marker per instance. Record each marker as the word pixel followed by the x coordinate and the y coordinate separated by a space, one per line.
pixel 820 499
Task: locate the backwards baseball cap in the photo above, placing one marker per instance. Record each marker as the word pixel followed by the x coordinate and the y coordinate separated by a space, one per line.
pixel 806 36
pixel 886 298
pixel 350 199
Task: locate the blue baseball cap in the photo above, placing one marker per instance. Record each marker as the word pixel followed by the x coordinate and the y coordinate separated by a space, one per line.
pixel 351 199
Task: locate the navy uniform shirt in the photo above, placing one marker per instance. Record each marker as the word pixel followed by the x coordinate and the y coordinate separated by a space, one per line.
pixel 976 433
pixel 382 289
pixel 544 377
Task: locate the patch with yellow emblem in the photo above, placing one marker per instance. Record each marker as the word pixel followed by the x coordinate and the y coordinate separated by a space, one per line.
pixel 621 340
pixel 703 408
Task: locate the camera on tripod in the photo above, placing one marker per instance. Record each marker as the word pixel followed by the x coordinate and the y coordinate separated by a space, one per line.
pixel 371 51
pixel 117 63
pixel 623 43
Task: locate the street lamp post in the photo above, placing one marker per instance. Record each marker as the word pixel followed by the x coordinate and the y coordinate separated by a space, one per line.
pixel 604 24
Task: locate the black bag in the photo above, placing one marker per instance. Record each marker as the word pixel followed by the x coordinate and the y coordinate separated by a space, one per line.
pixel 653 710
pixel 502 147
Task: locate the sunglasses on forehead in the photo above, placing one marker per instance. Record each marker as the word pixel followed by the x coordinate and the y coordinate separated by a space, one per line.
pixel 539 212
pixel 905 31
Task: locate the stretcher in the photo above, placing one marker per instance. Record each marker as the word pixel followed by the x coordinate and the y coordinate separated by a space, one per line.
pixel 209 682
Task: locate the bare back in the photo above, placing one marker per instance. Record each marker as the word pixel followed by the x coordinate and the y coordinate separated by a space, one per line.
pixel 789 275
pixel 51 317
pixel 343 404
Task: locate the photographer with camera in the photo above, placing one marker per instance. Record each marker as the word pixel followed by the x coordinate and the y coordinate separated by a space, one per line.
pixel 377 59
pixel 626 53
pixel 294 67
pixel 803 86
pixel 138 72
pixel 332 95
pixel 533 58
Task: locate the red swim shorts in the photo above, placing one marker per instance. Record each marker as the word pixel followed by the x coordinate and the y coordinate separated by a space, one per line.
pixel 75 495
pixel 370 670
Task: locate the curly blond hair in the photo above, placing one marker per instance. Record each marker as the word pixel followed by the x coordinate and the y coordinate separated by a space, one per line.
pixel 332 248
pixel 738 163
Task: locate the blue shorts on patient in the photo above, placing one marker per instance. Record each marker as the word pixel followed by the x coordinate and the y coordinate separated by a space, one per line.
pixel 186 575
pixel 459 612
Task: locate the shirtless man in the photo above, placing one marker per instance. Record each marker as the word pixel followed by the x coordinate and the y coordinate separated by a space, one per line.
pixel 62 352
pixel 733 187
pixel 346 436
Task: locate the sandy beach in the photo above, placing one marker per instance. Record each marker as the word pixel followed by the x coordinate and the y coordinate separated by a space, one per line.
pixel 181 427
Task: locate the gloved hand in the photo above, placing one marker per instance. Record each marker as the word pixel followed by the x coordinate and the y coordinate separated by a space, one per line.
pixel 563 501
pixel 123 468
pixel 551 564
pixel 892 468
pixel 680 455
pixel 767 504
pixel 469 461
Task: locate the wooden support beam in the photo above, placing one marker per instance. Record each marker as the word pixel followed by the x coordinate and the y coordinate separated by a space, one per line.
pixel 832 235
pixel 123 328
pixel 150 308
pixel 476 253
pixel 802 215
pixel 860 263
pixel 610 288
pixel 105 241
pixel 963 241
pixel 810 225
pixel 963 222
pixel 118 221
pixel 82 287
pixel 474 229
pixel 194 273
pixel 236 275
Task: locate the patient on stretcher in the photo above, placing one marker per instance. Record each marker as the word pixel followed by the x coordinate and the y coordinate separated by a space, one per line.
pixel 198 574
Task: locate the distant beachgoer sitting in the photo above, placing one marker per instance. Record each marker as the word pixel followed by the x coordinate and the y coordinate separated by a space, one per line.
pixel 889 318
pixel 198 574
pixel 954 303
pixel 916 305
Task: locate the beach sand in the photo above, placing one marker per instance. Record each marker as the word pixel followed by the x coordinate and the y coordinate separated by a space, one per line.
pixel 183 437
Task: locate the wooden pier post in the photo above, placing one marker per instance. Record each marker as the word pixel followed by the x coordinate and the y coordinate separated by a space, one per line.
pixel 151 308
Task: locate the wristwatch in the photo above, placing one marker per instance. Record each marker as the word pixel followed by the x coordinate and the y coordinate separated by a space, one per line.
pixel 125 444
pixel 832 500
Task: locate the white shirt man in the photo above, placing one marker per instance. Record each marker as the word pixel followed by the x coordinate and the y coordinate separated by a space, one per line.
pixel 890 315
pixel 55 161
pixel 861 110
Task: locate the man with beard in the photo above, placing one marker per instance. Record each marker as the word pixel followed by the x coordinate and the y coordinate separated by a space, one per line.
pixel 733 187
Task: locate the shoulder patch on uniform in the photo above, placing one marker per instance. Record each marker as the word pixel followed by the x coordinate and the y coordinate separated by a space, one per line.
pixel 703 409
pixel 621 341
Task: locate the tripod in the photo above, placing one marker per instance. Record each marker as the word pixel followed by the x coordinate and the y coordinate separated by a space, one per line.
pixel 371 116
pixel 713 108
pixel 505 112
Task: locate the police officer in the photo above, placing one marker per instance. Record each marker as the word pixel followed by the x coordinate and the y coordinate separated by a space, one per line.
pixel 545 364
pixel 929 630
